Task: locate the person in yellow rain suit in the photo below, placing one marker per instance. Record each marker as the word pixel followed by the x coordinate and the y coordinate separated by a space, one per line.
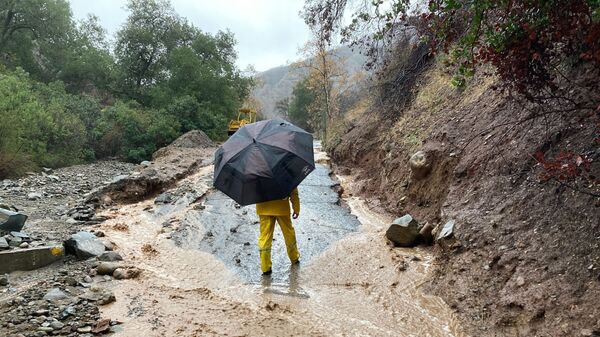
pixel 277 210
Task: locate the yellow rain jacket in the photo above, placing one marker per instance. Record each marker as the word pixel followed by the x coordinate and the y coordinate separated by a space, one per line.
pixel 280 207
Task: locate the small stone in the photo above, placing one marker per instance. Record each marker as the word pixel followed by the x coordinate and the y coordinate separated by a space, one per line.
pixel 164 198
pixel 420 165
pixel 586 332
pixel 4 280
pixel 101 326
pixel 56 325
pixel 108 245
pixel 107 268
pixel 15 241
pixel 85 329
pixel 99 295
pixel 447 231
pixel 87 279
pixel 71 281
pixel 55 294
pixel 69 311
pixel 24 245
pixel 520 281
pixel 4 244
pixel 45 329
pixel 110 256
pixel 34 196
pixel 124 274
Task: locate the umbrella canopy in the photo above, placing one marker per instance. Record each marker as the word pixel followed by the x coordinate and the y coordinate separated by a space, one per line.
pixel 263 161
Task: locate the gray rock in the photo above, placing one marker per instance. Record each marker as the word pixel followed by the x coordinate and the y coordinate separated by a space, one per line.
pixel 4 280
pixel 84 245
pixel 110 256
pixel 46 169
pixel 56 325
pixel 71 281
pixel 34 196
pixel 72 221
pixel 164 198
pixel 3 244
pixel 53 178
pixel 69 311
pixel 99 295
pixel 420 165
pixel 404 231
pixel 107 268
pixel 146 163
pixel 15 241
pixel 124 274
pixel 447 231
pixel 108 245
pixel 24 245
pixel 24 236
pixel 85 329
pixel 54 295
pixel 118 178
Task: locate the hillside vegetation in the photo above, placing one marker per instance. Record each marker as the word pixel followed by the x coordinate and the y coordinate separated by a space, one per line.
pixel 70 96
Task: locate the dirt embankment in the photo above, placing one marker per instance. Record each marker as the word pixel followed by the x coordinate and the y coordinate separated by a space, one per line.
pixel 528 263
pixel 169 165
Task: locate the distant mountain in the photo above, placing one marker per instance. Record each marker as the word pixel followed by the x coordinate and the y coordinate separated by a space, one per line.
pixel 277 83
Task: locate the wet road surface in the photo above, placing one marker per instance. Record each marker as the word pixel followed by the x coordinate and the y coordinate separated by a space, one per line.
pixel 202 275
pixel 230 232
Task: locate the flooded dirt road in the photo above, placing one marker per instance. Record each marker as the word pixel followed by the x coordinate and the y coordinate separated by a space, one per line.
pixel 201 273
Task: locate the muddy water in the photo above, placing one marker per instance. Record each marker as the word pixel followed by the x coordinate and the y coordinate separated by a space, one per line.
pixel 201 270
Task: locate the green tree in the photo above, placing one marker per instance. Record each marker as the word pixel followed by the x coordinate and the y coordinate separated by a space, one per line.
pixel 34 35
pixel 89 65
pixel 300 106
pixel 152 30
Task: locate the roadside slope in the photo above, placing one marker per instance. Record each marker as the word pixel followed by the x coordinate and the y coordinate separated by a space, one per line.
pixel 528 259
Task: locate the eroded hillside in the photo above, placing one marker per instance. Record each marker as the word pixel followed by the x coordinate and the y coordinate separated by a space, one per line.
pixel 527 257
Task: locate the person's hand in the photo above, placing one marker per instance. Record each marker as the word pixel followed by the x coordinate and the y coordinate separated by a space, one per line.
pixel 295 215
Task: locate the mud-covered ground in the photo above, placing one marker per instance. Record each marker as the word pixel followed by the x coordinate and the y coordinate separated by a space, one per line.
pixel 200 269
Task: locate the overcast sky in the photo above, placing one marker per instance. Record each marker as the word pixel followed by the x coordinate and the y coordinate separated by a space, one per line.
pixel 269 32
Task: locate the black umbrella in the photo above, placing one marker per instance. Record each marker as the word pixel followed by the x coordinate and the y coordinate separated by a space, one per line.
pixel 263 161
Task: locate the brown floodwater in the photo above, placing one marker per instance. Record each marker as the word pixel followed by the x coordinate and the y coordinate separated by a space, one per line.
pixel 352 286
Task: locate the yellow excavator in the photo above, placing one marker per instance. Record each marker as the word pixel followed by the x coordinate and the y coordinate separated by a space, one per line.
pixel 245 116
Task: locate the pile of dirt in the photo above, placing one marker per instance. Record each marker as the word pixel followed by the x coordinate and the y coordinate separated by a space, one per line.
pixel 193 139
pixel 528 258
pixel 170 164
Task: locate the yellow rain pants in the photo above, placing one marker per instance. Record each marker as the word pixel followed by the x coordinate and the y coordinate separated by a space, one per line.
pixel 277 211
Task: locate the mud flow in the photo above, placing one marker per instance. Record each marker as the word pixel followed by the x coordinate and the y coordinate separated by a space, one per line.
pixel 202 271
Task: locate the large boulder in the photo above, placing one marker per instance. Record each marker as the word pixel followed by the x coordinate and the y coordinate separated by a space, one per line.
pixel 404 231
pixel 84 245
pixel 420 165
